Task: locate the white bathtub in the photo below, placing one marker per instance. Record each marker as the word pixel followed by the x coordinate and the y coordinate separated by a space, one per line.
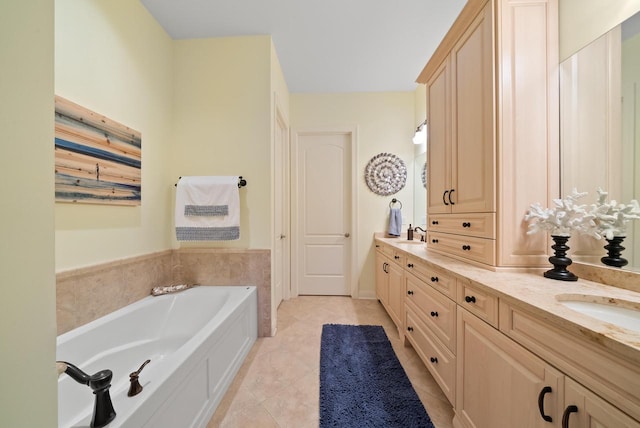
pixel 196 341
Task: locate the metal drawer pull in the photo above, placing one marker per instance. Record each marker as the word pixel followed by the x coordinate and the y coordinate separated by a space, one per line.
pixel 466 224
pixel 434 279
pixel 409 328
pixel 566 414
pixel 434 222
pixel 466 247
pixel 434 314
pixel 410 265
pixel 470 299
pixel 546 390
pixel 396 257
pixel 434 360
pixel 444 195
pixel 435 241
pixel 410 292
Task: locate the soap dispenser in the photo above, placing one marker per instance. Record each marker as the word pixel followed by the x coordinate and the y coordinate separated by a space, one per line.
pixel 410 233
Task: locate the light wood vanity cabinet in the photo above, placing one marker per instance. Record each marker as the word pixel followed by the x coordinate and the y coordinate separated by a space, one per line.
pixel 437 278
pixel 482 304
pixel 430 321
pixel 499 381
pixel 389 282
pixel 437 310
pixel 584 409
pixel 467 247
pixel 440 361
pixel 502 366
pixel 481 225
pixel 609 377
pixel 492 123
pixel 382 280
pixel 460 119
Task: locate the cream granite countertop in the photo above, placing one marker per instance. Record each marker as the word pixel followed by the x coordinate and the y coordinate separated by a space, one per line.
pixel 538 295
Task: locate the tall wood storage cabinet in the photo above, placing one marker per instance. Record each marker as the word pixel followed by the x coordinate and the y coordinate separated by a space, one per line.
pixel 492 115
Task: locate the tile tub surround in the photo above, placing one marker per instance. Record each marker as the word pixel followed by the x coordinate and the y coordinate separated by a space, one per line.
pixel 85 294
pixel 533 292
pixel 229 266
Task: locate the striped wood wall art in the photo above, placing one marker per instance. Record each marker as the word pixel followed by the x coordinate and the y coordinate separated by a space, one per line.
pixel 98 160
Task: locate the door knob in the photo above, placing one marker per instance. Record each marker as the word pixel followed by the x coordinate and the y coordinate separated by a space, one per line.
pixel 346 235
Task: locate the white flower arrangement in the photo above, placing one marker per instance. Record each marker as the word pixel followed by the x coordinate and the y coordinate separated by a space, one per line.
pixel 565 217
pixel 612 218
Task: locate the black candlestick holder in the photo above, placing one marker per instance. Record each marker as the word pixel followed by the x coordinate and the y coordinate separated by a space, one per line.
pixel 560 261
pixel 614 251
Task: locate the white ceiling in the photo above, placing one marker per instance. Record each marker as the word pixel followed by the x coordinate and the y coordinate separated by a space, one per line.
pixel 325 45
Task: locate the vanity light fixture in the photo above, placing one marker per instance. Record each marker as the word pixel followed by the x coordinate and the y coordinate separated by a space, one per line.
pixel 420 136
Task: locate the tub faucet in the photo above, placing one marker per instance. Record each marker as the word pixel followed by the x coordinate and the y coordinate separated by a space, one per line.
pixel 134 387
pixel 415 229
pixel 99 382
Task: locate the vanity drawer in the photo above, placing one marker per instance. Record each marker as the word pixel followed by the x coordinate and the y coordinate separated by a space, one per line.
pixel 477 249
pixel 437 311
pixel 438 279
pixel 394 255
pixel 481 225
pixel 478 302
pixel 436 357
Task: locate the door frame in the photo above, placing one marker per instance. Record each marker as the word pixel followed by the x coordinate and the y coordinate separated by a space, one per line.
pixel 352 133
pixel 285 211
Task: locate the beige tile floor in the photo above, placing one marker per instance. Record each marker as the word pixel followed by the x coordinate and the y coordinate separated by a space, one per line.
pixel 278 384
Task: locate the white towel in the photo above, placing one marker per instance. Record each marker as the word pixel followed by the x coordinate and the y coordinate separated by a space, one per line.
pixel 395 222
pixel 207 209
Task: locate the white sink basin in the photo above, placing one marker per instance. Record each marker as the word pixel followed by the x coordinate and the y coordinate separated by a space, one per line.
pixel 621 313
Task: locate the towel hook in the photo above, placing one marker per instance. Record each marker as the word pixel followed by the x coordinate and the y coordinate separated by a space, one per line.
pixel 395 201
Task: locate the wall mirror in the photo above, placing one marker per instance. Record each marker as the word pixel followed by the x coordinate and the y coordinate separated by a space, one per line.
pixel 600 128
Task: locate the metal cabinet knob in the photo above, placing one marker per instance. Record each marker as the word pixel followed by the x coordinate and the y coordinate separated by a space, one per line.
pixel 346 235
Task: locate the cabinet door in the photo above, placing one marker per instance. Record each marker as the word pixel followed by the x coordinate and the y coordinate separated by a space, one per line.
pixel 438 147
pixel 396 294
pixel 591 411
pixel 382 278
pixel 499 382
pixel 472 139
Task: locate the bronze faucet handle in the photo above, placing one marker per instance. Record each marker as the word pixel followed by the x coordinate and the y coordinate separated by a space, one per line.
pixel 137 372
pixel 135 388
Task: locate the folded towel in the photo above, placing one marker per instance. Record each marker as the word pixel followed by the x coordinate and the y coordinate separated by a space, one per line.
pixel 395 222
pixel 207 209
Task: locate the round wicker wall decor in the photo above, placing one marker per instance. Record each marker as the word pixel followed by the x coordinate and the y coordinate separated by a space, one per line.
pixel 385 174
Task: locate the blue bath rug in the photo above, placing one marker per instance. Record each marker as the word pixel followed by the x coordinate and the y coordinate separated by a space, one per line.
pixel 362 383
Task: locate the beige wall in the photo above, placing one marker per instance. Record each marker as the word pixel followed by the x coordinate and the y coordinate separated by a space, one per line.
pixel 112 57
pixel 223 126
pixel 385 123
pixel 28 384
pixel 582 21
